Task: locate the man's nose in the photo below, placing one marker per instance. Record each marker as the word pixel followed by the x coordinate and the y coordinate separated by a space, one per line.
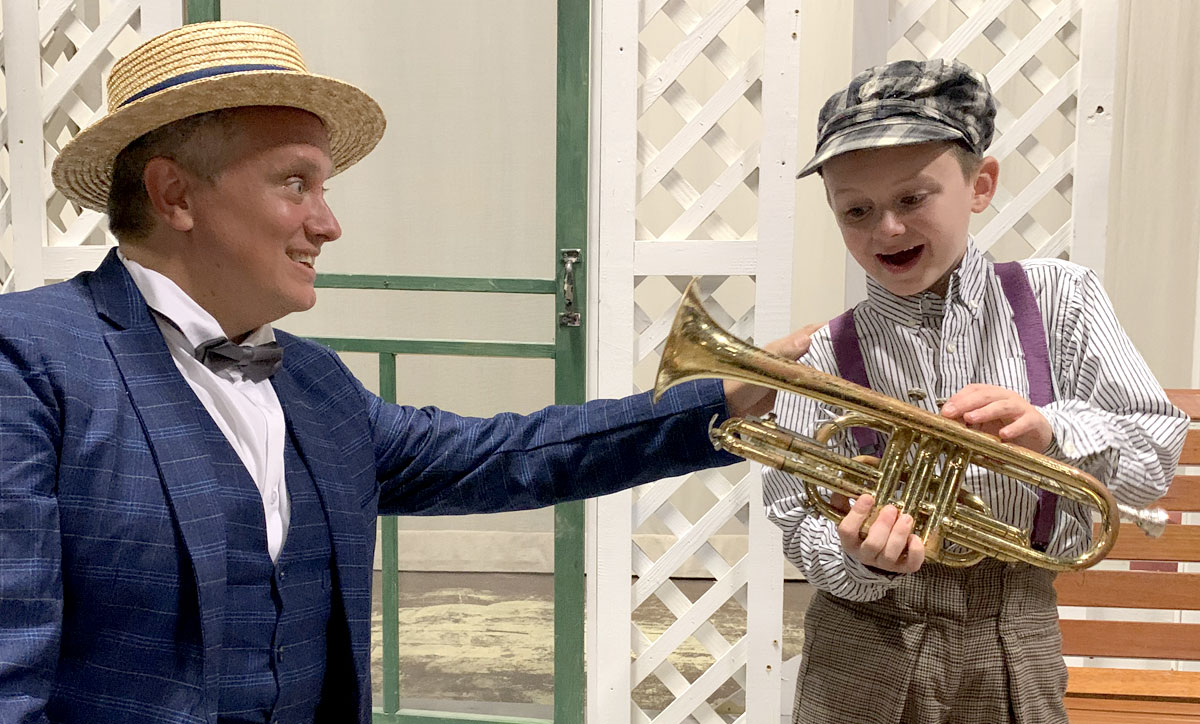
pixel 323 224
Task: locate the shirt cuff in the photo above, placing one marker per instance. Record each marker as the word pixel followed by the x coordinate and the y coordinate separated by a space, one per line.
pixel 863 574
pixel 1077 443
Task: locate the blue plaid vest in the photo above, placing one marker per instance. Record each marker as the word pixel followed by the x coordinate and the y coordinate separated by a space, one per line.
pixel 276 615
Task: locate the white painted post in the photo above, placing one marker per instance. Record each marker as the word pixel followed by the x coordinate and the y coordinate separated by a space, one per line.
pixel 609 673
pixel 871 41
pixel 772 319
pixel 1094 134
pixel 23 79
pixel 870 48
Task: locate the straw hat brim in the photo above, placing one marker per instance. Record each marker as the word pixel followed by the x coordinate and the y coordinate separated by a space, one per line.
pixel 353 120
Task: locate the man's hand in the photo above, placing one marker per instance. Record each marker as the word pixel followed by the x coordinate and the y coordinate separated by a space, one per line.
pixel 889 544
pixel 1000 412
pixel 745 400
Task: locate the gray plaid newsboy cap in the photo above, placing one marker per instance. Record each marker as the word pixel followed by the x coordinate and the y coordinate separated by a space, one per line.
pixel 904 103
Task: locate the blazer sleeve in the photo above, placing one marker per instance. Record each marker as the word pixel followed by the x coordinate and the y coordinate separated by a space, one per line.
pixel 30 550
pixel 433 462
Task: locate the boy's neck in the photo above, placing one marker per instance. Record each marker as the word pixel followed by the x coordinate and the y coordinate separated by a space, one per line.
pixel 941 287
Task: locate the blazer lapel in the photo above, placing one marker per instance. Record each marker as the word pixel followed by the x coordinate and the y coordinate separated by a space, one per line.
pixel 167 409
pixel 312 435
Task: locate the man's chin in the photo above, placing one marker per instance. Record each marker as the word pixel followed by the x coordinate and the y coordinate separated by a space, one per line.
pixel 305 302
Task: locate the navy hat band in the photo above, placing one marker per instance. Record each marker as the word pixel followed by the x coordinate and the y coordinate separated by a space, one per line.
pixel 200 74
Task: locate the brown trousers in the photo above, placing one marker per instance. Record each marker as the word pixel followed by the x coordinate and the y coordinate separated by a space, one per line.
pixel 977 645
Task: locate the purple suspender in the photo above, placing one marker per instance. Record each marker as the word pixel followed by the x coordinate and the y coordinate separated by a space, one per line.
pixel 848 354
pixel 1032 336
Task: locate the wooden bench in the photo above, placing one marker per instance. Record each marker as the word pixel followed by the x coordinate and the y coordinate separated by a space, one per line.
pixel 1154 583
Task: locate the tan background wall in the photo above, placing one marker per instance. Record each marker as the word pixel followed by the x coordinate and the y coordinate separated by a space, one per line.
pixel 1154 222
pixel 463 184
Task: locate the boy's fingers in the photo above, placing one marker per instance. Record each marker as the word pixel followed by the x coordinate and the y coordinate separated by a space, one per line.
pixel 1007 410
pixel 897 541
pixel 970 398
pixel 1017 428
pixel 848 529
pixel 794 345
pixel 914 555
pixel 878 534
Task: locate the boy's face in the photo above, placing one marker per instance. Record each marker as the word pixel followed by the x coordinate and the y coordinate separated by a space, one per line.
pixel 904 211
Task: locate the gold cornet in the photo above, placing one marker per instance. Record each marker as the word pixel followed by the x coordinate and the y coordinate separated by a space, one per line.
pixel 921 468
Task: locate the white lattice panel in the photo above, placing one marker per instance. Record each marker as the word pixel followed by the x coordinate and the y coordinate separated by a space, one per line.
pixel 696 120
pixel 1051 65
pixel 57 54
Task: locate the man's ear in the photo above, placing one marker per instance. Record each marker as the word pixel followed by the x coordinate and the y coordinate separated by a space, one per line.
pixel 984 185
pixel 168 185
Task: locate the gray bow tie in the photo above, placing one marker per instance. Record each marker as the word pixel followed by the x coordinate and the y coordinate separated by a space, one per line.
pixel 257 362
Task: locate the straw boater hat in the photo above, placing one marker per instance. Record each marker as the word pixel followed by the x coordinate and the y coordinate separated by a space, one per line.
pixel 204 67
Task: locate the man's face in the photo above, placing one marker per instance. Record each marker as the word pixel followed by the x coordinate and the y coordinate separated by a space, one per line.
pixel 904 211
pixel 260 224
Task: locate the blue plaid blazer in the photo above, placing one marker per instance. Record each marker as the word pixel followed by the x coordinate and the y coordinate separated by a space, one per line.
pixel 112 541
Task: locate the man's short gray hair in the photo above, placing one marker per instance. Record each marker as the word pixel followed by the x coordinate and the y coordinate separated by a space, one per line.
pixel 194 142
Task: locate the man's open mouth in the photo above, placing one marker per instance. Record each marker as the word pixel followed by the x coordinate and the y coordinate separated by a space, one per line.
pixel 305 259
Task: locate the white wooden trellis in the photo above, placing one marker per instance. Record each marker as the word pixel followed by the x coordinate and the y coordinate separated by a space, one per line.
pixel 694 110
pixel 56 55
pixel 1051 65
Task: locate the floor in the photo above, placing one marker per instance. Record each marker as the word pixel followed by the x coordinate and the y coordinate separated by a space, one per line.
pixel 483 643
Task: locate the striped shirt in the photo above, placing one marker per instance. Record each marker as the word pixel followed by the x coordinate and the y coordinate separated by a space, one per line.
pixel 1110 416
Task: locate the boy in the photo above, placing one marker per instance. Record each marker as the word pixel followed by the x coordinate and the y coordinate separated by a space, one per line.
pixel 1030 352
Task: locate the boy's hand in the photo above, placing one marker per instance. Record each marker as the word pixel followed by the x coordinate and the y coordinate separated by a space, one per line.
pixel 745 400
pixel 1001 412
pixel 889 544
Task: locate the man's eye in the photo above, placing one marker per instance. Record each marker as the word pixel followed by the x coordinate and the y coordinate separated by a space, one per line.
pixel 296 184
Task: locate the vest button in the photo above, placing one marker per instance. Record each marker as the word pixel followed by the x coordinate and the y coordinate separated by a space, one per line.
pixel 282 574
pixel 279 654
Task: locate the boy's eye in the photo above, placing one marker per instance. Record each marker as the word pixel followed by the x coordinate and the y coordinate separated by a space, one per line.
pixel 855 213
pixel 912 200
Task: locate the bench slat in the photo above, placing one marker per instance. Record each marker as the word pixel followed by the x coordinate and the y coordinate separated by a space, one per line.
pixel 1183 496
pixel 1131 639
pixel 1191 448
pixel 1112 711
pixel 1178 543
pixel 1109 684
pixel 1129 589
pixel 1186 400
pixel 1093 716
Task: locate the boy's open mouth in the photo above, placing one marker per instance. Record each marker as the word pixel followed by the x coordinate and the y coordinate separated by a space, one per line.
pixel 901 259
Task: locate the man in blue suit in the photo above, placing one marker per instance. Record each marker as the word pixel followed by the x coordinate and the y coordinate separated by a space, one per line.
pixel 187 496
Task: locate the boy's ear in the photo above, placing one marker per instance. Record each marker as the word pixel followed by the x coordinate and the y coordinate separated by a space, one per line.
pixel 167 184
pixel 984 184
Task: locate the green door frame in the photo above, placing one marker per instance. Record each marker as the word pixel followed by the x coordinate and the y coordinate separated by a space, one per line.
pixel 569 355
